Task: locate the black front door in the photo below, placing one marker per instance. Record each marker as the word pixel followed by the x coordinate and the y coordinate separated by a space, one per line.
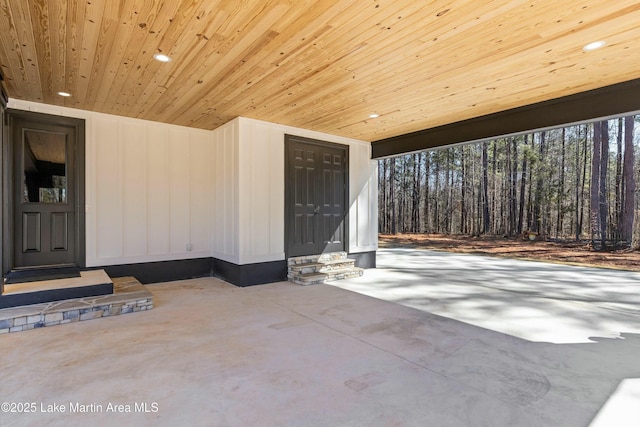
pixel 46 191
pixel 315 196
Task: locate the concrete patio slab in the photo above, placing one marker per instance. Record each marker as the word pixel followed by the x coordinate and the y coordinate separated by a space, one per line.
pixel 532 300
pixel 211 354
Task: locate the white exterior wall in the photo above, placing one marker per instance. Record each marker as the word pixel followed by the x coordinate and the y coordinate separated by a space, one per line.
pixel 363 199
pixel 262 183
pixel 147 188
pixel 152 189
pixel 224 156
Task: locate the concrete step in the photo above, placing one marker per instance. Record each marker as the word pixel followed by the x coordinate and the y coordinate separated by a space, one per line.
pixel 55 287
pixel 318 278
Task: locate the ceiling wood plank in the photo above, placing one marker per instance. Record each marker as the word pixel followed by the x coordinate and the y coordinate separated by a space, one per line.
pixel 38 12
pixel 324 65
pixel 22 44
pixel 134 53
pixel 92 18
pixel 58 37
pixel 146 71
pixel 599 103
pixel 75 22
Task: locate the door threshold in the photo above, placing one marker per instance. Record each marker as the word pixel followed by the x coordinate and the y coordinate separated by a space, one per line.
pixel 41 273
pixel 40 267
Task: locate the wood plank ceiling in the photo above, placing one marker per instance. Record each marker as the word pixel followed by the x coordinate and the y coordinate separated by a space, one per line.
pixel 323 65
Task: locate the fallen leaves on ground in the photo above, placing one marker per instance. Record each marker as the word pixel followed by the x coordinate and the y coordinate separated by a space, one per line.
pixel 568 252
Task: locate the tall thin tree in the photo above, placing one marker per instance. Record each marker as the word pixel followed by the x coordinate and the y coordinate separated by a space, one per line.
pixel 618 188
pixel 523 183
pixel 602 194
pixel 595 184
pixel 485 189
pixel 629 181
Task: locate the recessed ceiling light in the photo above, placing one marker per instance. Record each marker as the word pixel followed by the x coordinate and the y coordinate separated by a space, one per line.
pixel 65 94
pixel 162 57
pixel 594 45
pixel 374 116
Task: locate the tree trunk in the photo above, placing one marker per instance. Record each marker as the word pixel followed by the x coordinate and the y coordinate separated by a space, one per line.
pixel 392 195
pixel 447 192
pixel 537 210
pixel 618 190
pixel 577 189
pixel 474 211
pixel 514 187
pixel 507 194
pixel 595 184
pixel 560 198
pixel 629 181
pixel 523 184
pixel 382 208
pixel 436 194
pixel 427 174
pixel 604 167
pixel 585 156
pixel 485 189
pixel 415 199
pixel 463 210
pixel 402 200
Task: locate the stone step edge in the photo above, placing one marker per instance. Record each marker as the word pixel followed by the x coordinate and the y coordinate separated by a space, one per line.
pixel 25 323
pixel 70 313
pixel 319 281
pixel 331 272
pixel 317 258
pixel 332 263
pixel 327 271
pixel 313 278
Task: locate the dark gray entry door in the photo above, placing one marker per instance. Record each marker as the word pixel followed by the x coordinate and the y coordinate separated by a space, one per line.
pixel 45 193
pixel 315 196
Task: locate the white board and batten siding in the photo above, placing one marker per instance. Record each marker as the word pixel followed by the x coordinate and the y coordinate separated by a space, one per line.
pixel 157 192
pixel 257 159
pixel 147 188
pixel 225 192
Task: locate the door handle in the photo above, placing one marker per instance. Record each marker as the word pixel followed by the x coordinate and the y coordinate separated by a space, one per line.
pixel 316 211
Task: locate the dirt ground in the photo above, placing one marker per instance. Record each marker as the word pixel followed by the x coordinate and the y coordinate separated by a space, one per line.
pixel 566 252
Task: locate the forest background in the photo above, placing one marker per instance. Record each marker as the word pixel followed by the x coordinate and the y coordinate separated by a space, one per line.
pixel 578 183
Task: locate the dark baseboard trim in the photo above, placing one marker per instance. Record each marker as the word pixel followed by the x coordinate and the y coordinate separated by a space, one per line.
pixel 239 275
pixel 250 274
pixel 15 300
pixel 163 271
pixel 168 271
pixel 364 259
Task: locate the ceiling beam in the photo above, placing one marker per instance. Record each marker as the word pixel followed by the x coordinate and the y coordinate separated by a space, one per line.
pixel 614 100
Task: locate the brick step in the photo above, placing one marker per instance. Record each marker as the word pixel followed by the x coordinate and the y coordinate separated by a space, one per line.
pixel 317 278
pixel 322 267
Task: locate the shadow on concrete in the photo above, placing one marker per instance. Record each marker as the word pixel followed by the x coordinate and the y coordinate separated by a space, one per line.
pixel 561 341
